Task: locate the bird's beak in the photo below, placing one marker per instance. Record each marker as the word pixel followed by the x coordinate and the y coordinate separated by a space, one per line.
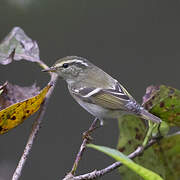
pixel 51 69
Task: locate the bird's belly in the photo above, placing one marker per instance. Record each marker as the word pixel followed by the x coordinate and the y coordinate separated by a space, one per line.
pixel 100 112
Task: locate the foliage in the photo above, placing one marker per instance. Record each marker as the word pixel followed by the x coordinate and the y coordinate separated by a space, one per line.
pixel 168 152
pixel 164 101
pixel 162 158
pixel 160 161
pixel 17 46
pixel 15 114
pixel 118 156
pixel 18 103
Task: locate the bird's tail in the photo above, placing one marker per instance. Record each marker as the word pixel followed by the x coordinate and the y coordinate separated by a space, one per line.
pixel 148 116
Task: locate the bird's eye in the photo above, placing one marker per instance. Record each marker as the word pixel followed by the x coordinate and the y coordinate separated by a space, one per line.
pixel 65 65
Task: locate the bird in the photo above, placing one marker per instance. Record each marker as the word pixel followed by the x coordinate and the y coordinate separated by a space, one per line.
pixel 96 91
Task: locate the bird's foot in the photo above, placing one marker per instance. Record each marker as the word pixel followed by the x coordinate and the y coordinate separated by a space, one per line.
pixel 87 134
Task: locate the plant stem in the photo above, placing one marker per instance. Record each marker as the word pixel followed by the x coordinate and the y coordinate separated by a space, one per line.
pixel 83 146
pixel 35 129
pixel 99 173
pixel 149 133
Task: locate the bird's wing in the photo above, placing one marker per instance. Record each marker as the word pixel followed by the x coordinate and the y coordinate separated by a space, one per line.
pixel 114 99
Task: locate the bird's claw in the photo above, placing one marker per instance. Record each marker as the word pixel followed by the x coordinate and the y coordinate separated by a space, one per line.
pixel 86 135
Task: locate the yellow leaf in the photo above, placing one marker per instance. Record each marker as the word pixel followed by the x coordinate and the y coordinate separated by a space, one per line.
pixel 15 114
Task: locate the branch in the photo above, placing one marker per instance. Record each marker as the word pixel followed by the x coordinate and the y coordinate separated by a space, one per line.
pixel 83 146
pixel 98 173
pixel 35 129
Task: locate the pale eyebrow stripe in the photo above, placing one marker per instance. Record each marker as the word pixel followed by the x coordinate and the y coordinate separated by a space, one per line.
pixel 78 61
pixel 72 61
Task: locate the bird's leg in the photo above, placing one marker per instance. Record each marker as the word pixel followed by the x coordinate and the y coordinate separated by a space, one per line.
pixel 86 139
pixel 86 134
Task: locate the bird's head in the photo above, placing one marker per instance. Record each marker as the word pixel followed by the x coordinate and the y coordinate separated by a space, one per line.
pixel 71 68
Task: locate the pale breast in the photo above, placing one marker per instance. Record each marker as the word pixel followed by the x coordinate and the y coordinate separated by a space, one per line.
pixel 98 111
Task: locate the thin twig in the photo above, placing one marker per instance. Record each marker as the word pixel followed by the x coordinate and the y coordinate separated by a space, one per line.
pixel 98 173
pixel 35 129
pixel 83 146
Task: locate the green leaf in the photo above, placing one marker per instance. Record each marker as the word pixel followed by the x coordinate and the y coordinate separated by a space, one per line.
pixel 164 129
pixel 168 151
pixel 164 102
pixel 16 46
pixel 132 131
pixel 143 172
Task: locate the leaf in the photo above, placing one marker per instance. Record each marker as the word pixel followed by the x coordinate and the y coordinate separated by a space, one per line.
pixel 15 114
pixel 168 151
pixel 13 94
pixel 143 172
pixel 17 46
pixel 132 131
pixel 164 129
pixel 163 101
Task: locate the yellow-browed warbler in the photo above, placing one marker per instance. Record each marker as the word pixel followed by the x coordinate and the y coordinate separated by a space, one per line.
pixel 96 91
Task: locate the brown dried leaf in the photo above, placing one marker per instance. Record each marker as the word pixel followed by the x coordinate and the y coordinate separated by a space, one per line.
pixel 12 94
pixel 17 46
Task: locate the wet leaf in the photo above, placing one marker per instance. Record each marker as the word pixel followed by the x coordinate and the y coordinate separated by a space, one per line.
pixel 163 101
pixel 16 113
pixel 118 156
pixel 17 46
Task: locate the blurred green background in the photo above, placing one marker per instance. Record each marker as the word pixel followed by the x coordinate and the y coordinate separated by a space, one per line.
pixel 137 42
